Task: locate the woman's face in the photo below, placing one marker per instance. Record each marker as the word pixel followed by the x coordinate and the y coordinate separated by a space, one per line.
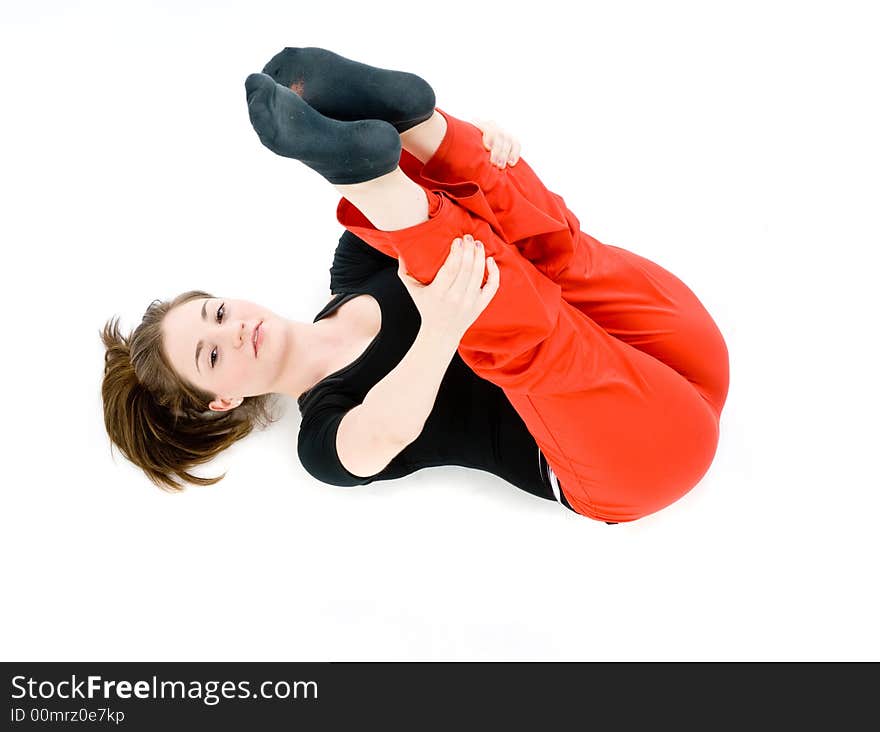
pixel 210 343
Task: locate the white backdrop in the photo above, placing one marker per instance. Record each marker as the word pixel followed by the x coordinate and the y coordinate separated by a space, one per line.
pixel 733 143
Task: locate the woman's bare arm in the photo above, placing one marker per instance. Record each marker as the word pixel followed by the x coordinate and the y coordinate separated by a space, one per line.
pixel 395 410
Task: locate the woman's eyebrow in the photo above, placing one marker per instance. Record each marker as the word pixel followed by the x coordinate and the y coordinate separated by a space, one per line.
pixel 201 343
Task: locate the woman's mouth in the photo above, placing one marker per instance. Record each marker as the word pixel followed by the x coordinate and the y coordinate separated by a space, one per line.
pixel 258 337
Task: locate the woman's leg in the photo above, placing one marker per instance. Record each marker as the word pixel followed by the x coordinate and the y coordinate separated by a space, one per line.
pixel 392 201
pixel 631 297
pixel 625 434
pixel 598 408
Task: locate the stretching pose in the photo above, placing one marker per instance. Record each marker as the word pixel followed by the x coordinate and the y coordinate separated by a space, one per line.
pixel 471 323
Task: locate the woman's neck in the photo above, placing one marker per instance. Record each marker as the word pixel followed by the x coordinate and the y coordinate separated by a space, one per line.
pixel 315 352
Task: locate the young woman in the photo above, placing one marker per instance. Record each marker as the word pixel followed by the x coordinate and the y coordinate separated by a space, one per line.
pixel 472 322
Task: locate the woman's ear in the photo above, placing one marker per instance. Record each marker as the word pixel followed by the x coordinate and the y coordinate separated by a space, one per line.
pixel 222 404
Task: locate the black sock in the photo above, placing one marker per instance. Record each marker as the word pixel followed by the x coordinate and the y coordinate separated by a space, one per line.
pixel 348 90
pixel 343 152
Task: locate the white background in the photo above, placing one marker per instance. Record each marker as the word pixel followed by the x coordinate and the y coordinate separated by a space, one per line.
pixel 736 144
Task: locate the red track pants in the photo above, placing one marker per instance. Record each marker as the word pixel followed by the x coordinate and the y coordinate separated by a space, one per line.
pixel 614 365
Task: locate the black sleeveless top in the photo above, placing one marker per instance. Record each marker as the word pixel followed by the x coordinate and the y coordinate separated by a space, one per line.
pixel 472 423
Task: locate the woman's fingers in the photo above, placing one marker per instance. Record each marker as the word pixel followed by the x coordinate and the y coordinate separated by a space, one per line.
pixel 483 264
pixel 479 267
pixel 461 275
pixel 458 286
pixel 505 151
pixel 467 285
pixel 445 275
pixel 504 148
pixel 448 272
pixel 488 129
pixel 502 152
pixel 514 154
pixel 491 286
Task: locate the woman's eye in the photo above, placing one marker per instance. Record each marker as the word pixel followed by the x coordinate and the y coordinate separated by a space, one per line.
pixel 221 311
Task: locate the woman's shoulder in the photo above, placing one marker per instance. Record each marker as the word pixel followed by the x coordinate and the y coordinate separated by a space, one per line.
pixel 361 311
pixel 357 306
pixel 355 262
pixel 381 291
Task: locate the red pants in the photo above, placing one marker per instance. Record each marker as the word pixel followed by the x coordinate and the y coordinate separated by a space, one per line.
pixel 614 365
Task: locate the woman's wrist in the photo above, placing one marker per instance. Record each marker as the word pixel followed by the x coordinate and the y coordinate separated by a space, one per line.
pixel 443 339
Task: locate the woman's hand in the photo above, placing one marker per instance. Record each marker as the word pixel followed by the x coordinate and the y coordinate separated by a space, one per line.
pixel 456 296
pixel 502 146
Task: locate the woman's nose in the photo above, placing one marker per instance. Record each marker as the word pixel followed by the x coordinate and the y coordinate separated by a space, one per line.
pixel 239 333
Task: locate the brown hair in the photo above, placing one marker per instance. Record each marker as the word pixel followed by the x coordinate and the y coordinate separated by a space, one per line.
pixel 158 420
